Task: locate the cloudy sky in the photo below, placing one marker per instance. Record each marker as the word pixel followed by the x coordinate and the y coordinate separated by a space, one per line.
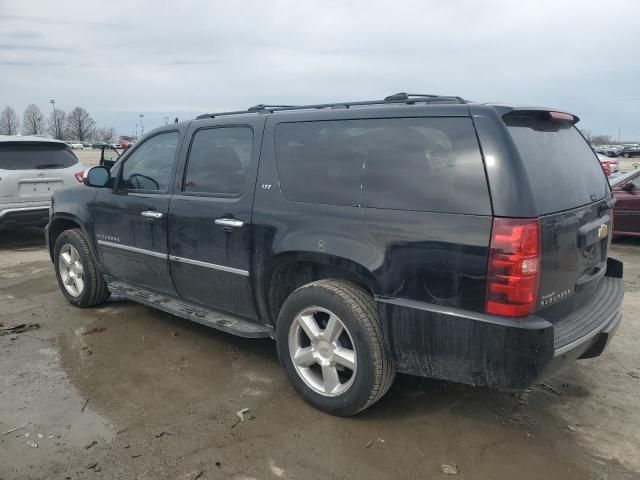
pixel 159 58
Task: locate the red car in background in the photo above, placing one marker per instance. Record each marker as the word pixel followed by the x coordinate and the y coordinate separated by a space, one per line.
pixel 626 213
pixel 124 143
pixel 609 165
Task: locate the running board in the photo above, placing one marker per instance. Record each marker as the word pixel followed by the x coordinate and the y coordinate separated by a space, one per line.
pixel 211 318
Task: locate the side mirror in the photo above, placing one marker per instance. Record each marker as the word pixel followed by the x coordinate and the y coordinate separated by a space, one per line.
pixel 98 177
pixel 629 187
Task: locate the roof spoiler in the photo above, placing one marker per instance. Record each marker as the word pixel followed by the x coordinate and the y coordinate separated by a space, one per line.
pixel 543 114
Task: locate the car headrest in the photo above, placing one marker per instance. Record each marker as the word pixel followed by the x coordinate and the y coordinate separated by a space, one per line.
pixel 226 160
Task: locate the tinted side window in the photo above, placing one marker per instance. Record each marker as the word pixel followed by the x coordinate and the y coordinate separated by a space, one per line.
pixel 318 163
pixel 219 161
pixel 150 166
pixel 426 164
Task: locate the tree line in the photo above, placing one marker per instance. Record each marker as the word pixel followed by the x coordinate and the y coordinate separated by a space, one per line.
pixel 74 125
pixel 598 139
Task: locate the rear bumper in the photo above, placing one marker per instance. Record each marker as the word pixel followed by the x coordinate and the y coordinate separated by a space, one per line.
pixel 33 215
pixel 478 349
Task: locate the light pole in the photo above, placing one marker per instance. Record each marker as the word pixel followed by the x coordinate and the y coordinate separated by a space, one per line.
pixel 57 132
pixel 141 125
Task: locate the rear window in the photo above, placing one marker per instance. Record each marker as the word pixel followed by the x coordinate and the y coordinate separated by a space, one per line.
pixel 14 156
pixel 425 164
pixel 561 166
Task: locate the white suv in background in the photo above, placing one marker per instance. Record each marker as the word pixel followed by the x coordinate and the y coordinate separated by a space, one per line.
pixel 31 169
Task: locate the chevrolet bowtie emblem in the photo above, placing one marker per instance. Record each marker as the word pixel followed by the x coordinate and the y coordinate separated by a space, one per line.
pixel 603 230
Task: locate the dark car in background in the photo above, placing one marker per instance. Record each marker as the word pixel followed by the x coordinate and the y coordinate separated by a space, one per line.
pixel 419 233
pixel 626 190
pixel 629 151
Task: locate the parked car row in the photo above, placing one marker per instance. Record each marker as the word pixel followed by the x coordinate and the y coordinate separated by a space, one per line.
pixel 608 150
pixel 121 144
pixel 626 151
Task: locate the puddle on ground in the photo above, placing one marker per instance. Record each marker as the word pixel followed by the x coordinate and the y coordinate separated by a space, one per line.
pixel 37 398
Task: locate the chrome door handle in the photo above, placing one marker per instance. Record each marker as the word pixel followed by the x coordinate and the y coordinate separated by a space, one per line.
pixel 229 222
pixel 151 214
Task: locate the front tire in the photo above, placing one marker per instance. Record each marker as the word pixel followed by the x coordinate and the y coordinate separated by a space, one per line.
pixel 331 347
pixel 78 277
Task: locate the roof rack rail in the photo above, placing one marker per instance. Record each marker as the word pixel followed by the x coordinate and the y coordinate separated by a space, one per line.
pixel 422 96
pixel 262 107
pixel 406 98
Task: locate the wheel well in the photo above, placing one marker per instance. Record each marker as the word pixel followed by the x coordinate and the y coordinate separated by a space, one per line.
pixel 288 277
pixel 58 226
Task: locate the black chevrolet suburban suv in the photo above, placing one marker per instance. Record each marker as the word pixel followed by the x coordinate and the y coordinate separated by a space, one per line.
pixel 421 234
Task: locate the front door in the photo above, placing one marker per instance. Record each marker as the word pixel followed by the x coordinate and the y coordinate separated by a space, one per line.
pixel 108 156
pixel 210 231
pixel 130 221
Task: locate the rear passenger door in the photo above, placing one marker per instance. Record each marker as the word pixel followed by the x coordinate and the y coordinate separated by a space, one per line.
pixel 210 230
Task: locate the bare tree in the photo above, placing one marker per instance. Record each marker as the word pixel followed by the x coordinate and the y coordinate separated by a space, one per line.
pixel 106 134
pixel 57 123
pixel 80 125
pixel 32 120
pixel 601 139
pixel 587 135
pixel 9 122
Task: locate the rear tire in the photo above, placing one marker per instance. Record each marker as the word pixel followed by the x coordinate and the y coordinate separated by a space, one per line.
pixel 78 277
pixel 339 373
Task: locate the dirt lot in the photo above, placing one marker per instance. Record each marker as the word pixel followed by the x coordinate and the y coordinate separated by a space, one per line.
pixel 163 394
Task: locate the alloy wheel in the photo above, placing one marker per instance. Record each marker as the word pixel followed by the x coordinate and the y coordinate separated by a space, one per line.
pixel 71 270
pixel 322 351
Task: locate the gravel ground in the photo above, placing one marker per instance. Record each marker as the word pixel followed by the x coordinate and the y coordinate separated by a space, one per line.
pixel 158 395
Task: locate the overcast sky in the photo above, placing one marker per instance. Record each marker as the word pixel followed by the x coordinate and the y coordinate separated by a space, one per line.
pixel 122 58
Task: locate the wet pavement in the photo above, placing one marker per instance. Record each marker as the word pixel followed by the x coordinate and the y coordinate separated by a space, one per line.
pixel 159 396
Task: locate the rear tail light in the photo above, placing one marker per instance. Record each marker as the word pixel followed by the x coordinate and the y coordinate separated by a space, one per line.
pixel 514 267
pixel 79 176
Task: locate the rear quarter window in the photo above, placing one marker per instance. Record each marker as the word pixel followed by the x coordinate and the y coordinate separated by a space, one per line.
pixel 563 170
pixel 423 164
pixel 25 156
